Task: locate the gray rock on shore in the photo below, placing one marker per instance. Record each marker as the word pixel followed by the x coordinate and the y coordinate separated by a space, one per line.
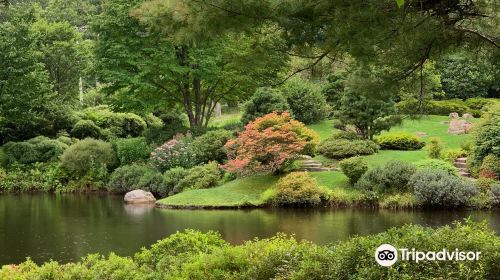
pixel 139 196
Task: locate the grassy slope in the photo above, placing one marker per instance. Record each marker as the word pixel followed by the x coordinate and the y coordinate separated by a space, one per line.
pixel 241 191
pixel 248 190
pixel 429 124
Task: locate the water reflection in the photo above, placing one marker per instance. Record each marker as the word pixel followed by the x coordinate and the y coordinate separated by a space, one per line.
pixel 67 227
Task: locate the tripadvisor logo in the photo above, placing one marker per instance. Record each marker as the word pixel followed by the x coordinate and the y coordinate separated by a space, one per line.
pixel 387 255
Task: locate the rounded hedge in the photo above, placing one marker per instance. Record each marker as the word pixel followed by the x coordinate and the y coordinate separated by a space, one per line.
pixel 306 101
pixel 437 164
pixel 263 102
pixel 200 177
pixel 130 177
pixel 341 148
pixel 439 188
pixel 297 189
pixel 399 141
pixel 86 128
pixel 38 149
pixel 210 146
pixel 87 154
pixel 354 168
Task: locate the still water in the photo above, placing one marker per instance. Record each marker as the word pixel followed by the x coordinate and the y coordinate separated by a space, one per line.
pixel 67 227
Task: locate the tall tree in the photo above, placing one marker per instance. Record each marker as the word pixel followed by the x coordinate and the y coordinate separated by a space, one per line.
pixel 140 60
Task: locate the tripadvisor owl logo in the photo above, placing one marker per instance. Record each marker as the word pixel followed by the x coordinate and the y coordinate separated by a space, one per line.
pixel 387 255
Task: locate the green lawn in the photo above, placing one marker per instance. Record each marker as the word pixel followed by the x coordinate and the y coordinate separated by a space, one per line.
pixel 330 179
pixel 225 119
pixel 432 125
pixel 243 191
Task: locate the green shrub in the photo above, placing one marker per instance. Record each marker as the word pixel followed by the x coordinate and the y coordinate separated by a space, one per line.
pixel 445 107
pixel 347 135
pixel 3 158
pixel 130 177
pixel 306 101
pixel 39 177
pixel 451 155
pixel 200 177
pixel 437 164
pixel 487 136
pixel 174 153
pixel 86 128
pixel 130 150
pixel 171 253
pixel 354 168
pixel 163 127
pixel 38 149
pixel 439 188
pixel 297 189
pixel 399 201
pixel 171 178
pixel 478 103
pixel 341 148
pixel 434 148
pixel 490 168
pixel 484 185
pixel 117 124
pixel 391 177
pixel 263 102
pixel 399 141
pixel 88 154
pixel 210 146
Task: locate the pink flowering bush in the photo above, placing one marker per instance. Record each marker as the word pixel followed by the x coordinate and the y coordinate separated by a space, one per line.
pixel 174 153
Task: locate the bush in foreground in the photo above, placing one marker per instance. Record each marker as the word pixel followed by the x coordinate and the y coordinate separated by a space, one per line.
pixel 438 188
pixel 205 256
pixel 297 189
pixel 399 141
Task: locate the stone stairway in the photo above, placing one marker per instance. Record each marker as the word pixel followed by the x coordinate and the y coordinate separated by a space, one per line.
pixel 461 165
pixel 308 164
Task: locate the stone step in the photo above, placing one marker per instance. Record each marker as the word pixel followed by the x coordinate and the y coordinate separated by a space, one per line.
pixel 312 164
pixel 464 173
pixel 316 169
pixel 462 160
pixel 460 164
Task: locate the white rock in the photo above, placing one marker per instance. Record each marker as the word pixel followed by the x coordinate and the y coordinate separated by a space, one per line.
pixel 139 196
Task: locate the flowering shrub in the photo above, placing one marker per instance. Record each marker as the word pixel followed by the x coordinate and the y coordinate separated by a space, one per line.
pixel 269 143
pixel 174 153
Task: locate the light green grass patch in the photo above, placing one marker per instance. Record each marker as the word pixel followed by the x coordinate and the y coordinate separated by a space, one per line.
pixel 225 119
pixel 324 128
pixel 239 192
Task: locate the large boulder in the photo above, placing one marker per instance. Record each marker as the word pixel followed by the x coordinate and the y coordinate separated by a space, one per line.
pixel 139 196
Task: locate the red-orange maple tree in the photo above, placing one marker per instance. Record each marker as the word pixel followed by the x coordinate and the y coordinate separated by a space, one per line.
pixel 269 143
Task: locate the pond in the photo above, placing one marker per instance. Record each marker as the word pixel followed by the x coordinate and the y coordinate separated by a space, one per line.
pixel 67 227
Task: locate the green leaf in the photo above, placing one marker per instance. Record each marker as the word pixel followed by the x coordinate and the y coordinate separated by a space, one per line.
pixel 400 3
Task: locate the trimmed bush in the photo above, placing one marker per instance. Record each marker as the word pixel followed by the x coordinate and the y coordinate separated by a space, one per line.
pixel 487 137
pixel 479 103
pixel 437 164
pixel 391 177
pixel 174 153
pixel 263 102
pixel 171 178
pixel 88 154
pixel 490 168
pixel 200 177
pixel 130 177
pixel 439 188
pixel 354 168
pixel 117 124
pixel 38 149
pixel 306 101
pixel 347 135
pixel 445 107
pixel 434 148
pixel 86 128
pixel 130 150
pixel 399 141
pixel 340 148
pixel 297 189
pixel 210 146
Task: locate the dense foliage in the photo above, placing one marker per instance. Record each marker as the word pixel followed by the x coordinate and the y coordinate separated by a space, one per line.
pixel 437 164
pixel 195 255
pixel 38 149
pixel 439 188
pixel 130 150
pixel 390 177
pixel 297 189
pixel 174 153
pixel 263 102
pixel 354 168
pixel 131 177
pixel 210 146
pixel 199 177
pixel 306 101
